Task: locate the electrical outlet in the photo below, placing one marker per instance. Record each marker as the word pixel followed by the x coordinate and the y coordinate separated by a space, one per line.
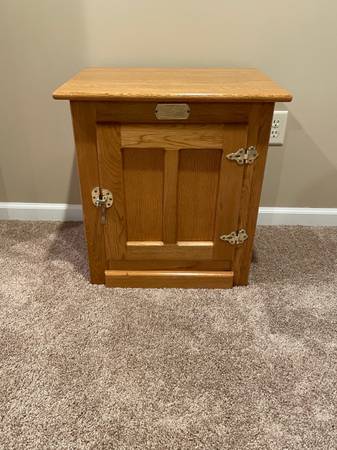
pixel 278 128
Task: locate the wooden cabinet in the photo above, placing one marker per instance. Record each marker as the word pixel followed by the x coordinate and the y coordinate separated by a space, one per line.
pixel 171 164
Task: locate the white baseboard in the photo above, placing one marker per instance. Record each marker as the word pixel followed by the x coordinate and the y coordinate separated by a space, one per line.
pixel 40 211
pixel 267 215
pixel 297 216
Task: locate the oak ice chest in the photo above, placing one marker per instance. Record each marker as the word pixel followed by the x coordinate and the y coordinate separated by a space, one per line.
pixel 171 165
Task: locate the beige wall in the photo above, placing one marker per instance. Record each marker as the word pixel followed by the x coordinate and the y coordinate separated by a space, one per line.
pixel 44 42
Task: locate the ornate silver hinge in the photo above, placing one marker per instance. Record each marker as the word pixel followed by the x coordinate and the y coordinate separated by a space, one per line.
pixel 244 155
pixel 235 238
pixel 102 198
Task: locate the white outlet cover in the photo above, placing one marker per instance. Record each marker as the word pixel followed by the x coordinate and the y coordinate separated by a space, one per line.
pixel 278 128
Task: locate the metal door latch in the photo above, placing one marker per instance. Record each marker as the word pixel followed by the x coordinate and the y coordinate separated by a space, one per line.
pixel 235 238
pixel 102 198
pixel 244 155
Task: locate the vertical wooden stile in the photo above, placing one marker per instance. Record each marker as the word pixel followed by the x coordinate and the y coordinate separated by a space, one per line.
pixel 229 190
pixel 258 135
pixel 171 162
pixel 111 178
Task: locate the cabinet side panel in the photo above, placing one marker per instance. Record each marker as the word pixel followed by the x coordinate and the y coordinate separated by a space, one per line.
pixel 198 179
pixel 143 184
pixel 84 123
pixel 258 135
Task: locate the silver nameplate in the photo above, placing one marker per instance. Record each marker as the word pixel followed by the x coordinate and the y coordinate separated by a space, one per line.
pixel 172 111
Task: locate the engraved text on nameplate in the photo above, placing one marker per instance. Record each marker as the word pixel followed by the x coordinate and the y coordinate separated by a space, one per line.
pixel 172 111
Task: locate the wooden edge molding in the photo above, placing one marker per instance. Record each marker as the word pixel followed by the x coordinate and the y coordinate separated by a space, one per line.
pixel 169 279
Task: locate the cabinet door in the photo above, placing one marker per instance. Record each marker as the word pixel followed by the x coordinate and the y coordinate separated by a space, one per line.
pixel 175 193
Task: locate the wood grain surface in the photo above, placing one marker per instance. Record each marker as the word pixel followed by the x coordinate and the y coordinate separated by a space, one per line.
pixel 172 136
pixel 172 84
pixel 258 135
pixel 179 251
pixel 165 278
pixel 229 190
pixel 143 188
pixel 111 178
pixel 84 124
pixel 175 191
pixel 197 192
pixel 145 112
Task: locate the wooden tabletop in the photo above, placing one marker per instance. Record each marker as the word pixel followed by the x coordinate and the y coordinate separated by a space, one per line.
pixel 173 84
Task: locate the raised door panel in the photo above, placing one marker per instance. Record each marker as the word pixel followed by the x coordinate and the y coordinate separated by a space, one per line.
pixel 198 180
pixel 143 171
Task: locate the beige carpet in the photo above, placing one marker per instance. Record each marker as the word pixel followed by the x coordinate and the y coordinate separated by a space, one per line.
pixel 85 367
